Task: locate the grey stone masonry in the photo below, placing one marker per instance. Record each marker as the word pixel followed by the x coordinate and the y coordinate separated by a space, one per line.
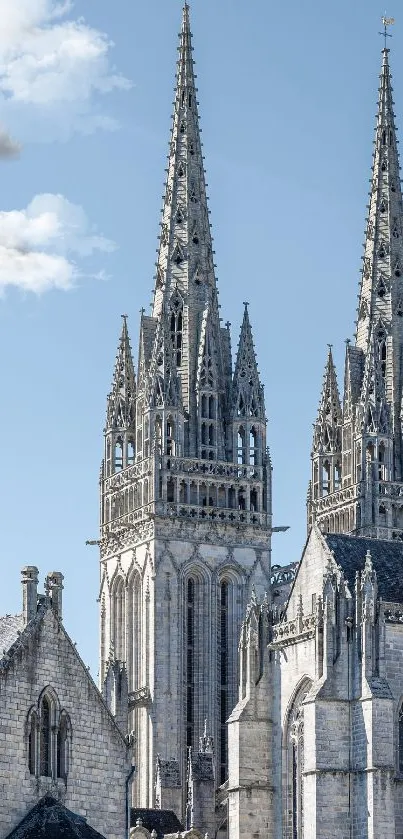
pixel 57 736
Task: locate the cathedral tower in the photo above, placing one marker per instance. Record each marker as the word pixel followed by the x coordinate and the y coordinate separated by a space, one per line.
pixel 357 457
pixel 185 488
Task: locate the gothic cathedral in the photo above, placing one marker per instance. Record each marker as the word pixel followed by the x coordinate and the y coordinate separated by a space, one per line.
pixel 185 488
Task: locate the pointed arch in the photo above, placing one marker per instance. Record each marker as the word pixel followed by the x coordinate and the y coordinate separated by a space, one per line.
pixel 294 759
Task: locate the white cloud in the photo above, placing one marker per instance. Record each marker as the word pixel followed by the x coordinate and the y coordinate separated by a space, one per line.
pixel 53 64
pixel 39 245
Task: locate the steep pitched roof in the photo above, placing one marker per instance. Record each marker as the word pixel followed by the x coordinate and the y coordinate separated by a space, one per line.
pixel 49 819
pixel 10 628
pixel 387 559
pixel 162 821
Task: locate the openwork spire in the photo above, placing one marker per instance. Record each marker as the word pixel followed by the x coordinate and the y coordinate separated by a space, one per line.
pixel 248 394
pixel 121 400
pixel 382 283
pixel 185 258
pixel 327 429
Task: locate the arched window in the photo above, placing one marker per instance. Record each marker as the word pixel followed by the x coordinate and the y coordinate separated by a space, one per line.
pixel 190 659
pixel 170 437
pixel 326 478
pixel 241 445
pixel 62 747
pixel 130 453
pixel 294 745
pixel 118 455
pixel 45 738
pixel 49 737
pixel 224 677
pixel 253 447
pixel 381 462
pixel 119 618
pixel 32 742
pixel 337 476
pixel 382 515
pixel 176 306
pixel 400 739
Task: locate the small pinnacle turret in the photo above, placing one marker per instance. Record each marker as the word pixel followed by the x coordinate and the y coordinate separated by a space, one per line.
pixel 248 394
pixel 327 429
pixel 121 400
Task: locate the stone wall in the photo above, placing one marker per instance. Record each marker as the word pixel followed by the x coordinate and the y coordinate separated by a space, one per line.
pixel 98 764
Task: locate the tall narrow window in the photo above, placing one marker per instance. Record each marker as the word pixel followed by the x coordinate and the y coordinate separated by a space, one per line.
pixel 118 455
pixel 190 660
pixel 130 453
pixel 32 744
pixel 294 814
pixel 326 478
pixel 241 445
pixel 224 679
pixel 45 739
pixel 400 756
pixel 176 306
pixel 253 448
pixel 62 748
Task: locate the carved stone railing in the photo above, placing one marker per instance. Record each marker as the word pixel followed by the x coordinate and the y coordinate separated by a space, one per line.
pixel 206 513
pixel 212 468
pixel 130 519
pixel 283 575
pixel 139 698
pixel 392 612
pixel 341 496
pixel 298 629
pixel 387 489
pixel 121 479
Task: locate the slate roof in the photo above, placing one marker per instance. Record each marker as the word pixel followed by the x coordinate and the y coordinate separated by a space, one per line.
pixel 387 559
pixel 162 821
pixel 10 627
pixel 51 820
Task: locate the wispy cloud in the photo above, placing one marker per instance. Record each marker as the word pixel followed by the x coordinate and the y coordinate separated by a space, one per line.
pixel 55 67
pixel 40 246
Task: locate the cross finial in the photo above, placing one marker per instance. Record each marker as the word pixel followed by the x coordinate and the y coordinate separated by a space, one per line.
pixel 386 21
pixel 142 312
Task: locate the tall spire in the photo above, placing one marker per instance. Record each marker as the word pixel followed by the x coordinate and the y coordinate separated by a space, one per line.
pixel 185 258
pixel 248 395
pixel 382 284
pixel 327 428
pixel 121 399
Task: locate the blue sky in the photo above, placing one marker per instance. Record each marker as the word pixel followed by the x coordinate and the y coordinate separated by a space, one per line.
pixel 287 103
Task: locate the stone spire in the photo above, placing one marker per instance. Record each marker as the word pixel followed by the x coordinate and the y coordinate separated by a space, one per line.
pixel 381 292
pixel 185 268
pixel 327 428
pixel 121 400
pixel 362 498
pixel 248 394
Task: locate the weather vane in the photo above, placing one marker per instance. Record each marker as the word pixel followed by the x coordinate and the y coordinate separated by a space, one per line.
pixel 386 21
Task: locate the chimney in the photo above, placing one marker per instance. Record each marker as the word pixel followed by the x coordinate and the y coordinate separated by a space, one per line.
pixel 29 580
pixel 54 588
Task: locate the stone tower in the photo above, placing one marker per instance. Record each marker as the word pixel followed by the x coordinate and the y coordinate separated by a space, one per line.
pixel 185 488
pixel 357 458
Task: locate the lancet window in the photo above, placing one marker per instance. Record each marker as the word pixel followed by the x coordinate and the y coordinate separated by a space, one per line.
pixel 118 618
pixel 190 658
pixel 295 743
pixel 400 739
pixel 176 307
pixel 49 738
pixel 224 677
pixel 118 455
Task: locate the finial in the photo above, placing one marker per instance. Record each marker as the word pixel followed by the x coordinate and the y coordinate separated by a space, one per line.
pixel 246 304
pixel 124 317
pixel 142 312
pixel 386 21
